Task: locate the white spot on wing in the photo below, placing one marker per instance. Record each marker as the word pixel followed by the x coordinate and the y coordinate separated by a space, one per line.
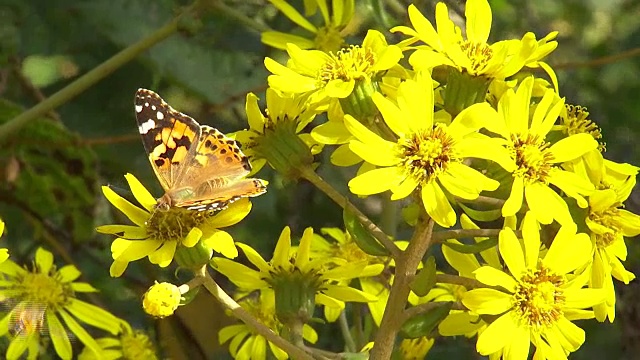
pixel 146 104
pixel 160 115
pixel 138 108
pixel 146 126
pixel 153 107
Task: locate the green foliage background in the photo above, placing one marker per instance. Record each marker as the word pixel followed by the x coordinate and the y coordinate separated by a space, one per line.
pixel 51 170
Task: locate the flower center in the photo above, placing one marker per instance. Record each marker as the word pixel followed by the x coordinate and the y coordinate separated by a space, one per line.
pixel 608 219
pixel 427 154
pixel 175 223
pixel 478 54
pixel 137 346
pixel 576 122
pixel 532 156
pixel 539 298
pixel 45 289
pixel 351 63
pixel 328 39
pixel 351 252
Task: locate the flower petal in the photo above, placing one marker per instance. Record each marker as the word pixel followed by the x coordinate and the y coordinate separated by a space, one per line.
pixel 487 301
pixel 142 195
pixel 221 242
pixel 376 181
pixel 511 252
pixel 134 213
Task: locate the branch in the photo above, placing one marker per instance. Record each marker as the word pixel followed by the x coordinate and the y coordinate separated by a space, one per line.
pixel 426 307
pixel 343 202
pixel 406 267
pixel 230 304
pixel 91 78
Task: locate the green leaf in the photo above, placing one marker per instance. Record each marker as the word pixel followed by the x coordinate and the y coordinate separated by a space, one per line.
pixel 481 215
pixel 423 324
pixel 473 248
pixel 426 278
pixel 362 236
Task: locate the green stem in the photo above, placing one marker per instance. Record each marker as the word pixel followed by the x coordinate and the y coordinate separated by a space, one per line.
pixel 343 202
pixel 248 319
pixel 389 217
pixel 406 267
pixel 92 77
pixel 464 233
pixel 349 344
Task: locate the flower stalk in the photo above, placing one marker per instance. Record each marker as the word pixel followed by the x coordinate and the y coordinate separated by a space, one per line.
pixel 406 266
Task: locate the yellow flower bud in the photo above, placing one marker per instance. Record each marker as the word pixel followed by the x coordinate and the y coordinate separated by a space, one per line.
pixel 161 300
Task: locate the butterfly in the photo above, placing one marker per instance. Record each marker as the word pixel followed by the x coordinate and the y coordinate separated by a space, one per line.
pixel 198 167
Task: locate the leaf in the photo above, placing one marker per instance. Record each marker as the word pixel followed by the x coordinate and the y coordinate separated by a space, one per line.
pixel 362 236
pixel 426 278
pixel 423 324
pixel 471 249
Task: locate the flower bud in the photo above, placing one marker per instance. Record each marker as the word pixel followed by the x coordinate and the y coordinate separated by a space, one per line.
pixel 161 300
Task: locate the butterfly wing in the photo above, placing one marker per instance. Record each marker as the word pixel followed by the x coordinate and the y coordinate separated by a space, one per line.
pixel 169 137
pixel 216 173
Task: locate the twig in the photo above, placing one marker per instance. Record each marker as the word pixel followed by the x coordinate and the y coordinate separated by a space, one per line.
pixel 92 77
pixel 350 345
pixel 342 201
pixel 464 233
pixel 249 320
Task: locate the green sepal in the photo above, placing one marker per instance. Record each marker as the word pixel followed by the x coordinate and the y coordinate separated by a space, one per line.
pixel 425 279
pixel 473 248
pixel 361 236
pixel 423 324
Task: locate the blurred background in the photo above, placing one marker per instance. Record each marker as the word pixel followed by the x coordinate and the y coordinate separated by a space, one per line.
pixel 51 170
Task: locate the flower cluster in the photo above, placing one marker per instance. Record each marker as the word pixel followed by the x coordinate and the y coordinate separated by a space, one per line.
pixel 490 147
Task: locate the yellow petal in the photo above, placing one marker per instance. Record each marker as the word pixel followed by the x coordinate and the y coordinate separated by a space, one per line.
pixel 392 115
pixel 134 213
pixel 487 301
pixel 478 15
pixel 221 242
pixel 281 252
pixel 568 250
pixel 511 252
pixel 376 181
pixel 254 115
pixel 573 147
pixel 293 14
pixel 494 277
pixel 141 194
pixel 164 255
pixel 497 335
pixel 332 133
pixel 437 205
pixel 514 202
pixel 279 40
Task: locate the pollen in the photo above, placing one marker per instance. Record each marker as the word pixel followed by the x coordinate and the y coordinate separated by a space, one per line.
pixel 352 63
pixel 577 122
pixel 175 223
pixel 427 154
pixel 532 156
pixel 46 289
pixel 539 298
pixel 479 55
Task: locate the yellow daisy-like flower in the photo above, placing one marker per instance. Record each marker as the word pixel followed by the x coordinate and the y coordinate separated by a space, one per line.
pixel 344 248
pixel 327 38
pixel 574 119
pixel 45 303
pixel 248 345
pixel 298 281
pixel 541 296
pixel 427 155
pixel 129 345
pixel 333 75
pixel 157 233
pixel 415 349
pixel 275 136
pixel 609 223
pixel 537 162
pixel 473 55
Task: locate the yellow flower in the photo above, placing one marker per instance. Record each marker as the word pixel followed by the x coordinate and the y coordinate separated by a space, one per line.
pixel 296 279
pixel 541 297
pixel 327 38
pixel 275 136
pixel 416 349
pixel 344 248
pixel 537 162
pixel 333 75
pixel 427 155
pixel 157 233
pixel 162 299
pixel 129 345
pixel 473 55
pixel 249 345
pixel 45 299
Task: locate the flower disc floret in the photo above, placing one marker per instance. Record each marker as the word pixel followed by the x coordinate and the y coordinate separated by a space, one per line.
pixel 539 297
pixel 532 156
